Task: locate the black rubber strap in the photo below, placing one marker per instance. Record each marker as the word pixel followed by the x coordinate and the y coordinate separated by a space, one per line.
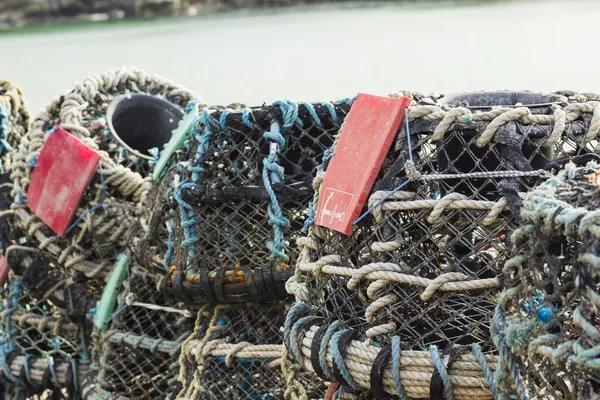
pixel 259 282
pixel 177 285
pixel 448 356
pixel 301 330
pixel 315 345
pixel 376 378
pixel 219 292
pixel 165 289
pixel 343 343
pixel 205 286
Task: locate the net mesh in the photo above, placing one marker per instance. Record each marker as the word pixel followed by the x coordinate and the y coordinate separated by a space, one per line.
pixel 238 197
pixel 546 323
pixel 138 355
pixel 423 264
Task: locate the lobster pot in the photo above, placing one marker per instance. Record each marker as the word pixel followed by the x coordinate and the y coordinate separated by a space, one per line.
pixel 112 203
pixel 14 119
pixel 239 193
pixel 546 324
pixel 137 355
pixel 421 269
pixel 64 276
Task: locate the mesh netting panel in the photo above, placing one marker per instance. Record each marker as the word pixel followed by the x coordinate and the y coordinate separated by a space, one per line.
pixel 422 264
pixel 546 324
pixel 138 355
pixel 223 184
pixel 41 348
pixel 241 359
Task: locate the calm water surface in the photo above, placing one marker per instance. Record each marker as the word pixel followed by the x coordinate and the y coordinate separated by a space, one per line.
pixel 325 53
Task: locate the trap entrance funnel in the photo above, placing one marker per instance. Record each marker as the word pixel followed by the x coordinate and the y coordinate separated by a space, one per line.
pixel 140 122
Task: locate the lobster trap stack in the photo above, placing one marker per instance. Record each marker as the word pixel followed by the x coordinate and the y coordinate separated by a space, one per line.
pixel 546 322
pixel 403 306
pixel 56 280
pixel 239 195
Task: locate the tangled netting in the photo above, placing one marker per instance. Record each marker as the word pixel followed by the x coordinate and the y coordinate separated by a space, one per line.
pixel 236 200
pixel 56 282
pixel 546 323
pixel 14 119
pixel 417 279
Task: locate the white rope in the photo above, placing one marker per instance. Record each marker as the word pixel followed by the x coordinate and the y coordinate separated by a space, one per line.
pixel 130 300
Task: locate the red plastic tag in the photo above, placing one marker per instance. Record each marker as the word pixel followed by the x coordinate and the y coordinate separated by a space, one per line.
pixel 369 130
pixel 65 168
pixel 4 269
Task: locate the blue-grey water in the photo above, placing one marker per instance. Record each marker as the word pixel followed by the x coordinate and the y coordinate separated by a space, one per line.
pixel 325 53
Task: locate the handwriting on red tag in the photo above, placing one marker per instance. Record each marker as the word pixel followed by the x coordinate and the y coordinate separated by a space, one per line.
pixel 63 172
pixel 369 130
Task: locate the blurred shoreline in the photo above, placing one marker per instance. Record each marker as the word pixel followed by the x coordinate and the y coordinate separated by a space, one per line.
pixel 27 13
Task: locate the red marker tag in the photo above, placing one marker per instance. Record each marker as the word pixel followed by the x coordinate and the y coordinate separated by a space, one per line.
pixel 369 131
pixel 65 168
pixel 4 269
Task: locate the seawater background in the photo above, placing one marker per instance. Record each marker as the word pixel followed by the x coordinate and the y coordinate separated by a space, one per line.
pixel 324 53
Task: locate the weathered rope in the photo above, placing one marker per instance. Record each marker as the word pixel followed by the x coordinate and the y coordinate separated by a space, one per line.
pixel 415 372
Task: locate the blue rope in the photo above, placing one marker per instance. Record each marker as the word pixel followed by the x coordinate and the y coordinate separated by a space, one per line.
pixel 6 346
pixel 119 311
pixel 487 372
pixel 189 220
pixel 313 114
pixel 339 360
pixel 505 354
pixel 170 245
pixel 297 309
pixel 332 113
pixel 246 116
pixel 210 125
pixel 223 119
pixel 272 171
pixel 441 368
pixel 289 111
pixel 323 349
pixel 27 368
pixel 293 340
pixel 396 368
